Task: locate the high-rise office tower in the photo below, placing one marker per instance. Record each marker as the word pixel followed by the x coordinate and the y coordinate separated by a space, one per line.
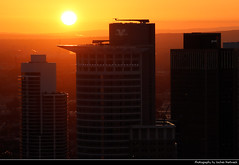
pixel 44 111
pixel 115 89
pixel 204 92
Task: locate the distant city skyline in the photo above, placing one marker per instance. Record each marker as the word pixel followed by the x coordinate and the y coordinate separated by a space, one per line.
pixel 138 91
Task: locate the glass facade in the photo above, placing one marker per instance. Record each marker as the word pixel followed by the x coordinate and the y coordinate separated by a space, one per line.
pixel 108 101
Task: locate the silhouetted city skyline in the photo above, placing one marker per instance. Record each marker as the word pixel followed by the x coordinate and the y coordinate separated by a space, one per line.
pixel 118 112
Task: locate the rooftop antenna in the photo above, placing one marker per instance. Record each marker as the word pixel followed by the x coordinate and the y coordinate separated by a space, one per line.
pixel 144 21
pixel 100 42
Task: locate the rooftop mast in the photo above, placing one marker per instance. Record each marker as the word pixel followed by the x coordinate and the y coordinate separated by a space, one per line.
pixel 144 21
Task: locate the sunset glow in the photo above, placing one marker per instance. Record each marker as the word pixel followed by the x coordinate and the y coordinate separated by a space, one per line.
pixel 120 80
pixel 43 16
pixel 68 18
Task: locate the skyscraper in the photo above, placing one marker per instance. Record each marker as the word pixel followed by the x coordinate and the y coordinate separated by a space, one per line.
pixel 204 91
pixel 44 111
pixel 115 89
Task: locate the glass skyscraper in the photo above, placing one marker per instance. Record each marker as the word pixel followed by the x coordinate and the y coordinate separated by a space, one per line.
pixel 115 83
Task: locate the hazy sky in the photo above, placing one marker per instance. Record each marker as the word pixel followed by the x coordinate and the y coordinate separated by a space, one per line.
pixel 43 16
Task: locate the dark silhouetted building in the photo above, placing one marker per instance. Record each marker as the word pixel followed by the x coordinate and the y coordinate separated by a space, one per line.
pixel 44 112
pixel 202 40
pixel 204 97
pixel 115 89
pixel 153 142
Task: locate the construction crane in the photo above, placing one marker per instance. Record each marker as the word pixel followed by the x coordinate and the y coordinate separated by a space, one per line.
pixel 144 21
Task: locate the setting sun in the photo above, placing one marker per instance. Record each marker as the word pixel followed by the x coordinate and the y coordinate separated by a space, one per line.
pixel 68 18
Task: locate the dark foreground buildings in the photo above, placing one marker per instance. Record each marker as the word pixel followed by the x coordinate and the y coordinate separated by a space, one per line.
pixel 115 89
pixel 153 142
pixel 204 97
pixel 44 112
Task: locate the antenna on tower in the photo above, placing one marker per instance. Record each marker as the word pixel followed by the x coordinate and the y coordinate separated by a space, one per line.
pixel 144 21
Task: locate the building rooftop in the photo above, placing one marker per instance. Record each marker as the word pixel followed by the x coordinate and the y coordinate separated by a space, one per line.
pixel 38 58
pixel 142 21
pixel 76 48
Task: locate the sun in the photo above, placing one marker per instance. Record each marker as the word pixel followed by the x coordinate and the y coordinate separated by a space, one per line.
pixel 68 18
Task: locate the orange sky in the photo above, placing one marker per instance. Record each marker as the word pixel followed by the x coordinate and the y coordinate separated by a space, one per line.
pixel 43 16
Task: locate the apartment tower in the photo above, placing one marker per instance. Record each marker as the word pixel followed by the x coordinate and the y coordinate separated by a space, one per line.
pixel 44 111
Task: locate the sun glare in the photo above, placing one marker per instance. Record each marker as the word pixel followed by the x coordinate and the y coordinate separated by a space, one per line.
pixel 68 18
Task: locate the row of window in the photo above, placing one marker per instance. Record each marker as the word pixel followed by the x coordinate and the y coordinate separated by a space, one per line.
pixel 108 103
pixel 31 73
pixel 202 60
pixel 30 82
pixel 110 96
pixel 107 77
pixel 99 137
pixel 107 123
pixel 109 56
pixel 103 130
pixel 46 116
pixel 109 90
pixel 109 69
pixel 109 62
pixel 108 117
pixel 60 135
pixel 111 84
pixel 117 110
pixel 104 144
pixel 101 153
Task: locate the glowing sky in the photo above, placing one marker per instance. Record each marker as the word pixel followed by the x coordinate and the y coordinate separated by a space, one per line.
pixel 43 16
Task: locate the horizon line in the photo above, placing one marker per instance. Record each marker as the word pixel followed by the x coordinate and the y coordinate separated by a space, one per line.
pixel 79 34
